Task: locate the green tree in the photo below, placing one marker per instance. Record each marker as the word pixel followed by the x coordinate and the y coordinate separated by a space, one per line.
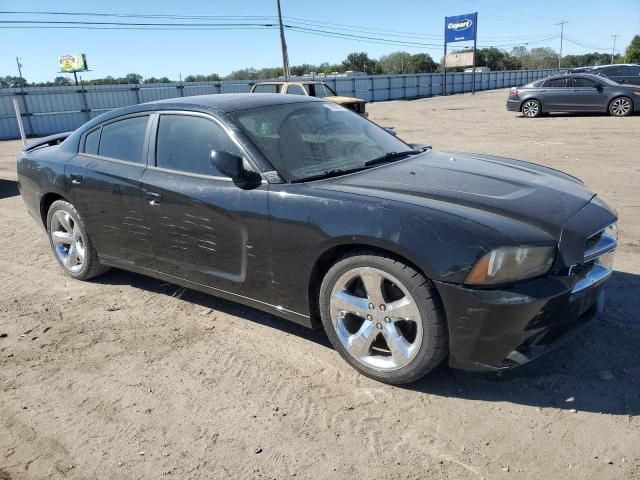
pixel 543 57
pixel 133 78
pixel 422 63
pixel 359 62
pixel 395 63
pixel 61 81
pixel 12 82
pixel 213 77
pixel 157 80
pixel 632 54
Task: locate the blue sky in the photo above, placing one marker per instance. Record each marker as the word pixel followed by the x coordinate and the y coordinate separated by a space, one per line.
pixel 165 53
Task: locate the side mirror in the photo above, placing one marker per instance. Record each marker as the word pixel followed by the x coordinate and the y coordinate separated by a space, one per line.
pixel 227 163
pixel 391 130
pixel 598 86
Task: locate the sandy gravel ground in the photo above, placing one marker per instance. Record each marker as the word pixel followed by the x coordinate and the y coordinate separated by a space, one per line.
pixel 129 377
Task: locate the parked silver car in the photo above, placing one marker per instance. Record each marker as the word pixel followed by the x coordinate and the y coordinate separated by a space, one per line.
pixel 580 92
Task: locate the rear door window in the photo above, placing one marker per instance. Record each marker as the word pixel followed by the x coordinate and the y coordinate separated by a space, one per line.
pixel 556 83
pixel 124 139
pixel 296 90
pixel 184 144
pixel 91 142
pixel 270 88
pixel 583 82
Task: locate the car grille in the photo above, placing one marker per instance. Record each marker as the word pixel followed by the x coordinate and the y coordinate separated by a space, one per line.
pixel 598 259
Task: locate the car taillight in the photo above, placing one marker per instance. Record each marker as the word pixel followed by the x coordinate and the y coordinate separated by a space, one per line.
pixel 513 92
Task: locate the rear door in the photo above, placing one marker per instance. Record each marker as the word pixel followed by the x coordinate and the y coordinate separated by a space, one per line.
pixel 586 96
pixel 104 185
pixel 205 228
pixel 555 94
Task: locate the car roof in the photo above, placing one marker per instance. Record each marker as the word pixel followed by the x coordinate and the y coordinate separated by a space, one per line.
pixel 598 67
pixel 230 102
pixel 282 82
pixel 574 74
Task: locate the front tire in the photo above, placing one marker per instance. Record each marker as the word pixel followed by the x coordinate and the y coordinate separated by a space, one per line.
pixel 531 108
pixel 620 107
pixel 70 242
pixel 383 318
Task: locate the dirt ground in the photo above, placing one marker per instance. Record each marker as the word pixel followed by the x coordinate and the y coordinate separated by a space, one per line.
pixel 129 377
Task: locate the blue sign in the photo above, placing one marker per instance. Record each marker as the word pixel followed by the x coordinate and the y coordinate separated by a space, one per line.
pixel 460 28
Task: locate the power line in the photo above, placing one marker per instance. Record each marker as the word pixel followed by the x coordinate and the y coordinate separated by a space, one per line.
pixel 340 27
pixel 134 24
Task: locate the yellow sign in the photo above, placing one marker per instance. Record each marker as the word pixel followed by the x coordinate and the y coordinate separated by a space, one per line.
pixel 73 63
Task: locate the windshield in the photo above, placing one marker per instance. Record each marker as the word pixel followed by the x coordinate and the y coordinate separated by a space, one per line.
pixel 312 139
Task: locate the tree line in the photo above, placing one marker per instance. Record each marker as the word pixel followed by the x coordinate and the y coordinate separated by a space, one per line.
pixel 392 64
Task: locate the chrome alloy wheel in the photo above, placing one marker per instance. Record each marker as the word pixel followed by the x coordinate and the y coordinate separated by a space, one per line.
pixel 376 319
pixel 68 241
pixel 620 107
pixel 530 108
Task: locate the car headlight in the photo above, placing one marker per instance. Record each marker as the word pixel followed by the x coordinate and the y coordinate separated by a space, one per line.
pixel 509 264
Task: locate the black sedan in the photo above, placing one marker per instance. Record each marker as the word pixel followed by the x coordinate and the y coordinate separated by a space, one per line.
pixel 580 92
pixel 299 207
pixel 623 74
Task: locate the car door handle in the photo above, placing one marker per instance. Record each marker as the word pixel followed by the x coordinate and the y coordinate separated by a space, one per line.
pixel 76 178
pixel 153 198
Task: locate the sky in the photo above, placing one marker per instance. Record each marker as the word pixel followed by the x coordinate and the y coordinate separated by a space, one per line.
pixel 171 53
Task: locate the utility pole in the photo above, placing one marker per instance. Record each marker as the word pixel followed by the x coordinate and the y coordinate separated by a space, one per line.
pixel 20 72
pixel 562 24
pixel 613 50
pixel 283 45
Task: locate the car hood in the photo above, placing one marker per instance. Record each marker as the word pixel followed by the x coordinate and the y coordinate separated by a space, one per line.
pixel 340 99
pixel 464 184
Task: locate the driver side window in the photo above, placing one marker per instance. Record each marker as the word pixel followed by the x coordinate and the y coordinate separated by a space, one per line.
pixel 184 144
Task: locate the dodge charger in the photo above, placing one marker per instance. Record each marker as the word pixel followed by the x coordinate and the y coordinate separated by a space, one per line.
pixel 302 208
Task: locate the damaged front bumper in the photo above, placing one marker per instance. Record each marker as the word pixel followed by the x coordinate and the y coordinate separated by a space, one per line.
pixel 499 329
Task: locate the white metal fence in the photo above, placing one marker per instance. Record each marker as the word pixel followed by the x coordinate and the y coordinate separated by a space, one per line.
pixel 49 110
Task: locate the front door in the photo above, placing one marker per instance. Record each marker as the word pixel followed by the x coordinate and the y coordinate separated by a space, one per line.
pixel 586 96
pixel 629 75
pixel 205 228
pixel 104 185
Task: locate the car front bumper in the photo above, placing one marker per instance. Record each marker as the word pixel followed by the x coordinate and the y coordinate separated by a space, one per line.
pixel 493 330
pixel 513 105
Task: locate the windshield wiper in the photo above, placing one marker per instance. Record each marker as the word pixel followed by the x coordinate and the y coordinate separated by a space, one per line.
pixel 387 157
pixel 327 174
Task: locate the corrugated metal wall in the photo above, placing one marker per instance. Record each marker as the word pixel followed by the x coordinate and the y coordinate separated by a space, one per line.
pixel 49 110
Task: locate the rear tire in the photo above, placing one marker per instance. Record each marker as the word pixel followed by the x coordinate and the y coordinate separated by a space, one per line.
pixel 71 243
pixel 621 107
pixel 383 317
pixel 531 108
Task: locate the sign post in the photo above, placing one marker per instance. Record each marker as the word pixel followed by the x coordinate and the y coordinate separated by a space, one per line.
pixel 461 28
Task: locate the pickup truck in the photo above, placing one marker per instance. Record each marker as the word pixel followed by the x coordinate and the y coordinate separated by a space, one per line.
pixel 311 89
